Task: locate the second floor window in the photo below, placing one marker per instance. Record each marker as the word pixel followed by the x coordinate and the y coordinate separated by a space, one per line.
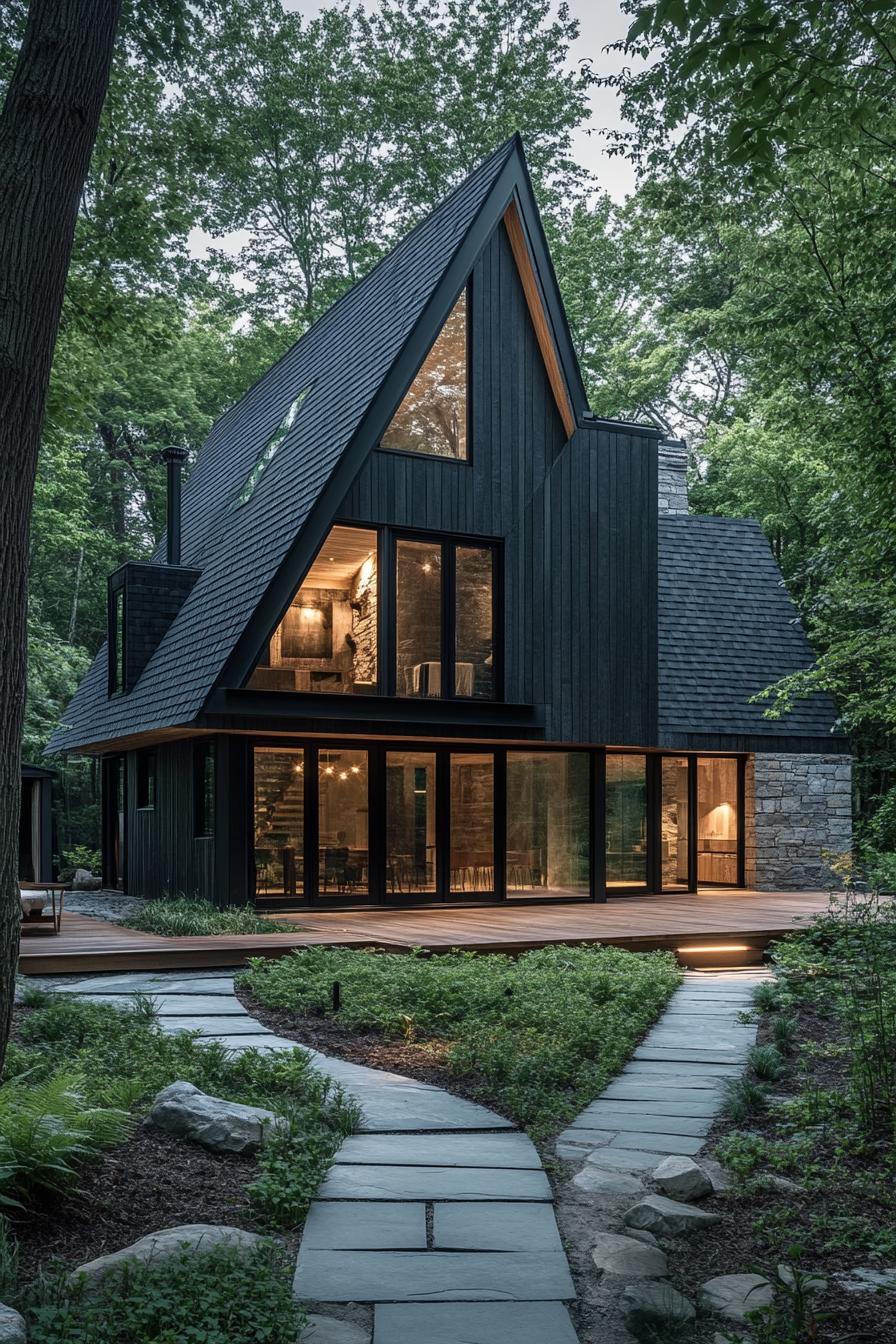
pixel 444 619
pixel 432 417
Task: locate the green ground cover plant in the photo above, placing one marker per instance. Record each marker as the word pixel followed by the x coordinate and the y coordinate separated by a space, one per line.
pixel 539 1035
pixel 120 1059
pixel 215 1297
pixel 183 916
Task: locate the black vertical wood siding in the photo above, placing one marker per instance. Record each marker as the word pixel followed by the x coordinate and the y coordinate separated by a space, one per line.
pixel 578 521
pixel 164 858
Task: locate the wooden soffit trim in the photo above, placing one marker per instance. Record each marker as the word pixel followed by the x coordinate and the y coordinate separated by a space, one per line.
pixel 538 313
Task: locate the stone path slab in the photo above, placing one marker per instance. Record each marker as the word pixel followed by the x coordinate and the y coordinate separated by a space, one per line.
pixel 365 1227
pixel 490 1226
pixel 473 1323
pixel 442 1150
pixel 390 1182
pixel 432 1276
pixel 632 1119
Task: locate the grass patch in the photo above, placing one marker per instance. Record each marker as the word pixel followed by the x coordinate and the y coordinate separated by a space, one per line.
pixel 120 1059
pixel 540 1034
pixel 182 916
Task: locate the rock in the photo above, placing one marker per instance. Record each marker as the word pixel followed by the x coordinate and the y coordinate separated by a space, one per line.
pixel 770 1180
pixel 84 880
pixel 13 1329
pixel 222 1126
pixel 627 1257
pixel 168 1243
pixel 640 1234
pixel 735 1295
pixel 666 1217
pixel 719 1175
pixel 868 1280
pixel 651 1307
pixel 681 1178
pixel 612 1184
pixel 809 1282
pixel 329 1330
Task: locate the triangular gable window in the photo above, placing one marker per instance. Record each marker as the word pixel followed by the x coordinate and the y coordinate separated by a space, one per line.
pixel 266 456
pixel 432 418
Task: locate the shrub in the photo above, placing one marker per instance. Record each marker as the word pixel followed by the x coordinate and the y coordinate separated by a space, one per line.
pixel 79 857
pixel 48 1131
pixel 182 916
pixel 766 1062
pixel 217 1297
pixel 743 1098
pixel 540 1034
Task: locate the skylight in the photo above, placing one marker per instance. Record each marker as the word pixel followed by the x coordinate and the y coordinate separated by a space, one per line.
pixel 266 456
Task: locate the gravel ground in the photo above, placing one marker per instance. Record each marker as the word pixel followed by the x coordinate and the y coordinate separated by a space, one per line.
pixel 111 905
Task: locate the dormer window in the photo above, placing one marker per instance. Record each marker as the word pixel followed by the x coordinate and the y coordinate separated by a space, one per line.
pixel 432 418
pixel 116 640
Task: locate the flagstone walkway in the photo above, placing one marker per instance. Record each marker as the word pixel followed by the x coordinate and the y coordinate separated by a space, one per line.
pixel 437 1213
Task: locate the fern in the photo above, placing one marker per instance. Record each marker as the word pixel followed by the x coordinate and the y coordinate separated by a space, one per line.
pixel 48 1132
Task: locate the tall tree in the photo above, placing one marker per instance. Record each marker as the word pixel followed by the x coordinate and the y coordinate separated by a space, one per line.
pixel 47 128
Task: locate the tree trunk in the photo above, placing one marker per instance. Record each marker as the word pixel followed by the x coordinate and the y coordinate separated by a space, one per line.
pixel 47 130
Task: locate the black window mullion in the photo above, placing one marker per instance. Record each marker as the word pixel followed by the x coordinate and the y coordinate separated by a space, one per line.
pixel 599 826
pixel 500 824
pixel 654 766
pixel 376 829
pixel 311 865
pixel 443 824
pixel 692 823
pixel 449 618
pixel 741 828
pixel 387 605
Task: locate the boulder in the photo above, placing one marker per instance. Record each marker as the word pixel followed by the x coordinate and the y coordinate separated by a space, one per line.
pixel 666 1217
pixel 606 1184
pixel 627 1257
pixel 809 1282
pixel 651 1308
pixel 681 1178
pixel 868 1280
pixel 640 1235
pixel 13 1329
pixel 770 1180
pixel 84 880
pixel 329 1330
pixel 734 1296
pixel 222 1126
pixel 168 1243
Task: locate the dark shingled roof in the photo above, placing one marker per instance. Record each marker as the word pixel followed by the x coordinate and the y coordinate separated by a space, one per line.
pixel 344 359
pixel 727 629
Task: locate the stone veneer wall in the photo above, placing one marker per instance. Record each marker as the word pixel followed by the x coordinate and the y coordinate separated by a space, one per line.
pixel 672 477
pixel 797 808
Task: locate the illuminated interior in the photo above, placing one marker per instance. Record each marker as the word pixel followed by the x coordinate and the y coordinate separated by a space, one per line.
pixel 717 820
pixel 432 418
pixel 674 823
pixel 327 641
pixel 548 834
pixel 626 837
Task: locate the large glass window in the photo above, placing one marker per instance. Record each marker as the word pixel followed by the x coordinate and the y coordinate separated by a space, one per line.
pixel 418 618
pixel 472 860
pixel 717 820
pixel 327 641
pixel 432 418
pixel 548 844
pixel 626 821
pixel 674 823
pixel 410 822
pixel 474 604
pixel 116 642
pixel 342 823
pixel 279 822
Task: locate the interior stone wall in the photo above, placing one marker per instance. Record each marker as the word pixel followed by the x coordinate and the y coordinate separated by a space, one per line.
pixel 798 808
pixel 364 593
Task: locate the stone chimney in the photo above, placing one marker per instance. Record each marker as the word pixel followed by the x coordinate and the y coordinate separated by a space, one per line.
pixel 672 491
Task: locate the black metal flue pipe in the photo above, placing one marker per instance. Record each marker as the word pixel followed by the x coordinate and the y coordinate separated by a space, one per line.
pixel 174 457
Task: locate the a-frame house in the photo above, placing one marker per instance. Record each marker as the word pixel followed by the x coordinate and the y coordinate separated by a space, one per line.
pixel 425 630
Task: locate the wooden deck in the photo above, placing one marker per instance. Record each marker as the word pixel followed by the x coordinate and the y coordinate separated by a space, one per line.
pixel 714 927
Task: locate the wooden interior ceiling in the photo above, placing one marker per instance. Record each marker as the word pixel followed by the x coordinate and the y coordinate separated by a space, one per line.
pixel 341 556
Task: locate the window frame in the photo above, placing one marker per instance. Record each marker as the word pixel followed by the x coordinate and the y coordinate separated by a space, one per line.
pixel 204 756
pixel 449 544
pixel 147 779
pixel 466 461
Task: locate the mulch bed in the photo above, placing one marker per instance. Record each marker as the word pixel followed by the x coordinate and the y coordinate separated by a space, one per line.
pixel 425 1060
pixel 733 1249
pixel 150 1182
